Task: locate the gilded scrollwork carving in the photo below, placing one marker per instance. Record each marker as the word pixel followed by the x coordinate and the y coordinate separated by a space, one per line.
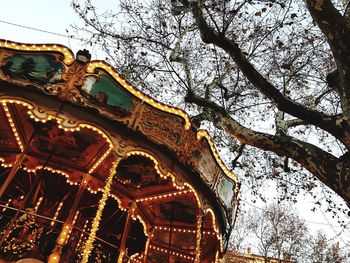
pixel 45 114
pixel 73 80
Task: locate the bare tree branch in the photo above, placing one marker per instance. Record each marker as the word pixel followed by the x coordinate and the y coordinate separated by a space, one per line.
pixel 304 153
pixel 284 104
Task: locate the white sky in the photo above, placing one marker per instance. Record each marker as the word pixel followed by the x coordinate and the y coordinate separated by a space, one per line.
pixel 53 16
pixel 48 15
pixel 57 16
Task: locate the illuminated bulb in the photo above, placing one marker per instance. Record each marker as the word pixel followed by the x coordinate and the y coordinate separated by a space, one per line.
pixel 54 257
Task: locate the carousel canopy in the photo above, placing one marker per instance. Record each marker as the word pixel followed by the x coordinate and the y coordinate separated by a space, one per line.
pixel 78 124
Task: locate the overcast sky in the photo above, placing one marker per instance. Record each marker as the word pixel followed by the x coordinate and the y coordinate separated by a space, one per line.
pixel 53 16
pixel 57 16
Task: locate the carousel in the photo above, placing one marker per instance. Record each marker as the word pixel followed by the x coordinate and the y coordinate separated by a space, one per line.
pixel 94 170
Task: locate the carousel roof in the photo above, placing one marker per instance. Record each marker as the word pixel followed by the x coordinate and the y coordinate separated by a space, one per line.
pixel 82 119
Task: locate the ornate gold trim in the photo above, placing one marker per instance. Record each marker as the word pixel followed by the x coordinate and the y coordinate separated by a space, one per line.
pixel 68 57
pixel 91 69
pixel 204 134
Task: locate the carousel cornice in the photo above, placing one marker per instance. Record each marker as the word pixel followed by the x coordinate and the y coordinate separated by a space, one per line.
pixel 92 66
pixel 77 98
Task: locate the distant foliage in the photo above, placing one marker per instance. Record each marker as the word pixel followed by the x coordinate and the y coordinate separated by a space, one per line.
pixel 278 232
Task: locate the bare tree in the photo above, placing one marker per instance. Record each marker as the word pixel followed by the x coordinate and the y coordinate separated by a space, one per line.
pixel 241 235
pixel 278 232
pixel 322 250
pixel 272 75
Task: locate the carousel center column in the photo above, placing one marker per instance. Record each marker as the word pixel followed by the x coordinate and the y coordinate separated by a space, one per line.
pixel 102 203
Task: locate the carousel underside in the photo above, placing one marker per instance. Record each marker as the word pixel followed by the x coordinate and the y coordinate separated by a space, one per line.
pixel 80 187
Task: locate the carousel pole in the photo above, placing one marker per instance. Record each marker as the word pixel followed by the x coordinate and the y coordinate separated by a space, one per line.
pixel 200 225
pixel 132 207
pixel 96 222
pixel 19 160
pixel 148 244
pixel 36 193
pixel 76 201
pixel 170 235
pixel 13 171
pixel 67 226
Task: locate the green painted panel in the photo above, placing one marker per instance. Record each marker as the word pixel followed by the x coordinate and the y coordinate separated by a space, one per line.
pixel 225 190
pixel 108 91
pixel 40 69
